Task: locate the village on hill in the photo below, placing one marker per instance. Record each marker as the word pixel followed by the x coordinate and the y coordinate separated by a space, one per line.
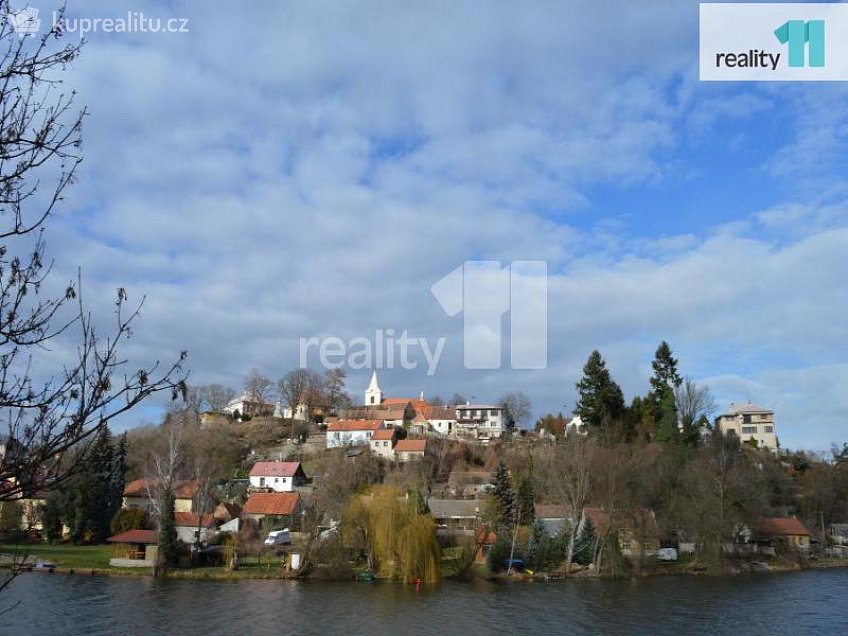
pixel 313 484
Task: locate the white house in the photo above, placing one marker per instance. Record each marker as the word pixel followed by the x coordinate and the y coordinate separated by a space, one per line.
pixel 249 405
pixel 277 476
pixel 352 432
pixel 750 422
pixel 193 528
pixel 441 419
pixel 575 426
pixel 302 412
pixel 383 442
pixel 481 421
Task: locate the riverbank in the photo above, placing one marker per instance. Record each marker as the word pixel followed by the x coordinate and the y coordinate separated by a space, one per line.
pixel 94 561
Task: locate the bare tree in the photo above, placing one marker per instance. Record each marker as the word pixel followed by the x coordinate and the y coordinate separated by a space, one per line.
pixel 214 397
pixel 568 467
pixel 693 401
pixel 516 406
pixel 47 412
pixel 258 386
pixel 297 389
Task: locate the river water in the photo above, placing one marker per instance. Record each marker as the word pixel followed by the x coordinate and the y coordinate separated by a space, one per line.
pixel 799 603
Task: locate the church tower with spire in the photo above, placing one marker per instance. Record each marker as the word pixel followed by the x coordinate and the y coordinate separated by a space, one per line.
pixel 373 394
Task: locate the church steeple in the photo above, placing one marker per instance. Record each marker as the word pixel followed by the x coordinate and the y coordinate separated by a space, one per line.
pixel 373 394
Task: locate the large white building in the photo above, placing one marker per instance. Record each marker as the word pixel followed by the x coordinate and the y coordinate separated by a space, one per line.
pixel 750 422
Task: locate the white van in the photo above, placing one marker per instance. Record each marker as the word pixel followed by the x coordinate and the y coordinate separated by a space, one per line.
pixel 667 554
pixel 278 537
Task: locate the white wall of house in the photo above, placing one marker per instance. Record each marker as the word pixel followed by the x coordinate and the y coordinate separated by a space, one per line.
pixel 383 448
pixel 444 427
pixel 338 439
pixel 277 484
pixel 188 534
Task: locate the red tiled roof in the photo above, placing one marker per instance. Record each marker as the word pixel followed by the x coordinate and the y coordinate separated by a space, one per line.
pixel 439 413
pixel 183 489
pixel 411 446
pixel 272 503
pixel 355 425
pixel 274 469
pixel 191 519
pixel 135 536
pixel 383 434
pixel 780 527
pixel 417 404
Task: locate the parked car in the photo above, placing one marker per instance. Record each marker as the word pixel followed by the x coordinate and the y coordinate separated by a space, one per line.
pixel 667 554
pixel 278 537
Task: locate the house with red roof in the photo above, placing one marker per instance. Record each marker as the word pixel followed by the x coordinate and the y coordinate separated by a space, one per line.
pixel 138 493
pixel 273 508
pixel 194 528
pixel 352 432
pixel 134 548
pixel 277 476
pixel 410 449
pixel 786 531
pixel 383 442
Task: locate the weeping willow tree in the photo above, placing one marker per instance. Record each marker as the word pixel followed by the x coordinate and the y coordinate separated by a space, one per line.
pixel 399 541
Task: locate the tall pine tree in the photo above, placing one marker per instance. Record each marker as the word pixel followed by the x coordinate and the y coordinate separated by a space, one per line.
pixel 504 495
pixel 664 381
pixel 600 401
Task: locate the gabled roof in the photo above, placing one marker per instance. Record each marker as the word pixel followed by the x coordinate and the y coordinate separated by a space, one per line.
pixel 135 536
pixel 453 508
pixel 183 489
pixel 411 446
pixel 440 413
pixel 780 527
pixel 274 469
pixel 551 511
pixel 355 425
pixel 383 434
pixel 272 503
pixel 193 520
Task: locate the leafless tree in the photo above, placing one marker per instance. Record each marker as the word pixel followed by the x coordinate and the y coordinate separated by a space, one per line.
pixel 49 412
pixel 258 386
pixel 568 468
pixel 298 388
pixel 693 401
pixel 214 397
pixel 516 406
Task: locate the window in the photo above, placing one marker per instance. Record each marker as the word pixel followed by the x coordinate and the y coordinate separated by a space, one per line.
pixel 746 419
pixel 749 430
pixel 261 482
pixel 768 429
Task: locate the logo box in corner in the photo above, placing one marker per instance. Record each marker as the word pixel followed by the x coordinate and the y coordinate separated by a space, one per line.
pixel 774 42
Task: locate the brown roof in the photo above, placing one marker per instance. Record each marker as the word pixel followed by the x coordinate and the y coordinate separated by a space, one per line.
pixel 193 520
pixel 226 510
pixel 355 425
pixel 272 503
pixel 135 536
pixel 439 413
pixel 622 519
pixel 274 469
pixel 551 511
pixel 411 446
pixel 780 527
pixel 183 489
pixel 383 434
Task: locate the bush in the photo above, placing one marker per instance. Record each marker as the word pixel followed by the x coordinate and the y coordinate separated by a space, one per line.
pixel 129 519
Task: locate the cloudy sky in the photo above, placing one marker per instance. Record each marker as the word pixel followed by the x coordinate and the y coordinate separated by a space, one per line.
pixel 310 169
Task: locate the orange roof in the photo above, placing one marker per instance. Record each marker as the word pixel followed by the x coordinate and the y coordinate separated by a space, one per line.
pixel 135 536
pixel 383 434
pixel 272 503
pixel 274 469
pixel 192 520
pixel 417 404
pixel 183 489
pixel 411 446
pixel 780 527
pixel 355 425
